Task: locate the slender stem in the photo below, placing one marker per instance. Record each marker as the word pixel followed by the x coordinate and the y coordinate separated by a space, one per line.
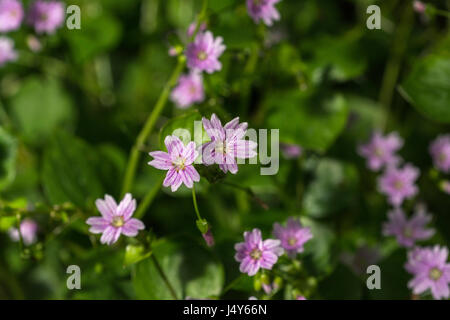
pixel 194 199
pixel 164 277
pixel 231 285
pixel 149 124
pixel 392 71
pixel 148 199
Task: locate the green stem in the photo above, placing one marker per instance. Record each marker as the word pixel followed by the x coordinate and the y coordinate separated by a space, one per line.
pixel 392 71
pixel 164 277
pixel 194 199
pixel 148 126
pixel 149 197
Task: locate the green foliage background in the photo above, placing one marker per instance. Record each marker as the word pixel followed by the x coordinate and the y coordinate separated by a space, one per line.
pixel 70 114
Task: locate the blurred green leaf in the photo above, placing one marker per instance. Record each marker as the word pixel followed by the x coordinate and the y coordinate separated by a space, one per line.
pixel 192 271
pixel 40 107
pixel 333 189
pixel 302 121
pixel 427 87
pixel 342 284
pixel 69 171
pixel 8 151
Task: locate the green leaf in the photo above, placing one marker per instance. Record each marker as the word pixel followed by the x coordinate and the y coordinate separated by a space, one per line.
pixel 70 171
pixel 8 151
pixel 188 127
pixel 427 87
pixel 220 5
pixel 303 120
pixel 40 107
pixel 192 271
pixel 333 189
pixel 134 254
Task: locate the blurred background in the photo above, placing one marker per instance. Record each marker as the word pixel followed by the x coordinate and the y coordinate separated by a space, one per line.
pixel 71 111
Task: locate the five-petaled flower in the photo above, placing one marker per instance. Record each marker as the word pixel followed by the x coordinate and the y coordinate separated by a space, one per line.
pixel 115 219
pixel 292 237
pixel 203 54
pixel 11 15
pixel 380 151
pixel 263 10
pixel 46 16
pixel 430 270
pixel 407 231
pixel 399 184
pixel 178 161
pixel 189 90
pixel 227 144
pixel 255 253
pixel 440 151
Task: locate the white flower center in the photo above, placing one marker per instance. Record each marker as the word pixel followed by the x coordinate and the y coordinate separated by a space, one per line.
pixel 117 221
pixel 202 55
pixel 221 147
pixel 256 254
pixel 435 274
pixel 292 241
pixel 179 163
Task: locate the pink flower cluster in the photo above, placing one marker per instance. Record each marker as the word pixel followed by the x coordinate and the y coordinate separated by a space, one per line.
pixel 263 10
pixel 255 253
pixel 227 144
pixel 43 16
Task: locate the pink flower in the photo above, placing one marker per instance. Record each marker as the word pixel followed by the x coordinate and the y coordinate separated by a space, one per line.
pixel 292 237
pixel 263 10
pixel 398 184
pixel 204 52
pixel 193 25
pixel 380 151
pixel 255 253
pixel 28 229
pixel 46 16
pixel 407 231
pixel 7 52
pixel 291 151
pixel 188 91
pixel 430 270
pixel 178 161
pixel 11 15
pixel 300 298
pixel 209 238
pixel 440 151
pixel 115 219
pixel 419 6
pixel 227 144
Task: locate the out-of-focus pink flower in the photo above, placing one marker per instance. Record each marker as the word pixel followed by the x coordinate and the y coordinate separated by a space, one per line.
pixel 440 151
pixel 115 219
pixel 445 186
pixel 189 90
pixel 28 229
pixel 227 144
pixel 380 151
pixel 34 44
pixel 7 52
pixel 178 161
pixel 209 238
pixel 193 25
pixel 11 15
pixel 255 253
pixel 46 16
pixel 430 270
pixel 399 184
pixel 419 6
pixel 292 237
pixel 407 231
pixel 300 298
pixel 203 54
pixel 291 151
pixel 263 10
